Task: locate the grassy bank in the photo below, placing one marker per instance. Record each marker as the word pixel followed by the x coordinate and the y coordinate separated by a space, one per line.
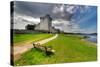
pixel 17 38
pixel 67 49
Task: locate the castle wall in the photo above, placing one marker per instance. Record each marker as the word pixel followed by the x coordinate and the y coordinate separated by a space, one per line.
pixel 45 25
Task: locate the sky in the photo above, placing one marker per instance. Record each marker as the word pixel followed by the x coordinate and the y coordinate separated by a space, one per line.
pixel 66 17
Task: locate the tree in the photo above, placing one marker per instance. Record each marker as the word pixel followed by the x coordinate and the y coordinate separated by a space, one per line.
pixel 30 27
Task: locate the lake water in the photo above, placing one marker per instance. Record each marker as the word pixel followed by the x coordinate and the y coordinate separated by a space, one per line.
pixel 92 38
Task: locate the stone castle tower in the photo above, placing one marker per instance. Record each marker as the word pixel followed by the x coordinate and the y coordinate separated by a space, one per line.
pixel 45 24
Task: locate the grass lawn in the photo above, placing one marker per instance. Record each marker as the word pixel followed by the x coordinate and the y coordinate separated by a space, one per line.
pixel 67 49
pixel 17 38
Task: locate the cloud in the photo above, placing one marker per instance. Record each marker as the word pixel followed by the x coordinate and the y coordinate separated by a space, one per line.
pixel 32 8
pixel 20 21
pixel 58 9
pixel 89 30
pixel 71 8
pixel 68 18
pixel 66 26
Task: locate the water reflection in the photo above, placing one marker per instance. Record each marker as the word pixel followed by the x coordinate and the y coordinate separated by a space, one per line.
pixel 92 38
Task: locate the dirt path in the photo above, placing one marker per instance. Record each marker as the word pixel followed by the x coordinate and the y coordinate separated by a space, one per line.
pixel 21 49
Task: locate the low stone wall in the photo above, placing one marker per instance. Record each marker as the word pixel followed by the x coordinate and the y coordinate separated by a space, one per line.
pixel 16 31
pixel 24 31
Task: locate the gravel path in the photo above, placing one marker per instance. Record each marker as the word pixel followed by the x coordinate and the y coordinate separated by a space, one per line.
pixel 21 49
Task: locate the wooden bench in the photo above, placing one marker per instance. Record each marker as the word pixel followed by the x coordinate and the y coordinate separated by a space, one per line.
pixel 47 50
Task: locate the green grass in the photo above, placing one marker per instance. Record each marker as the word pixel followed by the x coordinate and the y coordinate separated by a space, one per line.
pixel 27 37
pixel 67 49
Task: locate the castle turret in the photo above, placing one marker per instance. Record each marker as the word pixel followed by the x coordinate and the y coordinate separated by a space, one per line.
pixel 45 23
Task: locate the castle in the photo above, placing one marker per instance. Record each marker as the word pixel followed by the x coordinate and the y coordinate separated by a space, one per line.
pixel 45 25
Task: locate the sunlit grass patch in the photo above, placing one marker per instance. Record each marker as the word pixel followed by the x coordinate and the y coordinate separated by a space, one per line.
pixel 67 49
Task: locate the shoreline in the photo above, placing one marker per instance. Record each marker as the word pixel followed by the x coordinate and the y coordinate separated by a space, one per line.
pixel 92 43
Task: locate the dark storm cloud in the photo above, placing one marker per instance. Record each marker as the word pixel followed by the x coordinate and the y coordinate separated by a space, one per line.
pixel 40 9
pixel 32 9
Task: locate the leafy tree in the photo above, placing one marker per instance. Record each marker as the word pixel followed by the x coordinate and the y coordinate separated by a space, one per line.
pixel 30 27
